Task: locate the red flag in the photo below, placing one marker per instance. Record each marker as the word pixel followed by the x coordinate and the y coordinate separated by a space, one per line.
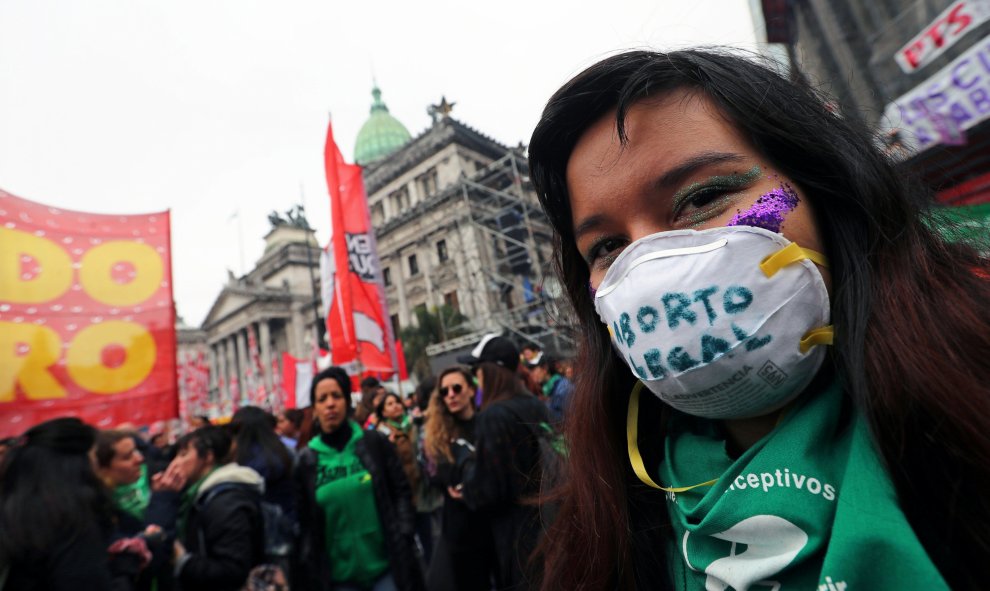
pixel 358 324
pixel 289 380
pixel 401 354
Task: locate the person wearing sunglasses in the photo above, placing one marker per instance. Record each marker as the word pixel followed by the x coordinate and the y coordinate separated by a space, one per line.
pixel 462 558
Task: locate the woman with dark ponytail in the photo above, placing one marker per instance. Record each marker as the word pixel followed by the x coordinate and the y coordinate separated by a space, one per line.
pixel 785 379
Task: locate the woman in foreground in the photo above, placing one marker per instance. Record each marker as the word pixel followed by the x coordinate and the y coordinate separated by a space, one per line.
pixel 786 378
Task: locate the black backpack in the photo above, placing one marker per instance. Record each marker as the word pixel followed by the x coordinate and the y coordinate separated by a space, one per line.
pixel 279 531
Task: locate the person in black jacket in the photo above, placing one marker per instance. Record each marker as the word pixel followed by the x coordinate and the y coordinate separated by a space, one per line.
pixel 56 518
pixel 355 504
pixel 220 526
pixel 506 474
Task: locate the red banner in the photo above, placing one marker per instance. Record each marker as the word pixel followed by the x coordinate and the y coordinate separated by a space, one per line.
pixel 87 322
pixel 358 324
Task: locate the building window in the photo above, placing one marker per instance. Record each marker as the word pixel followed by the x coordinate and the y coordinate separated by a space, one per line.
pixel 395 325
pixel 413 266
pixel 450 299
pixel 387 276
pixel 400 200
pixel 442 251
pixel 427 182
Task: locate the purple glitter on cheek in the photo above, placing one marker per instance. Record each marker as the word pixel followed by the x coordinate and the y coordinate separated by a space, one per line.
pixel 769 210
pixel 592 290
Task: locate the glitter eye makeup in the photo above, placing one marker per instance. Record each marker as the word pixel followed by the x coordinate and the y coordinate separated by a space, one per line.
pixel 717 183
pixel 769 210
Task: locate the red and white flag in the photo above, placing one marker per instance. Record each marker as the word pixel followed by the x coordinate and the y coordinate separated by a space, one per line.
pixel 358 324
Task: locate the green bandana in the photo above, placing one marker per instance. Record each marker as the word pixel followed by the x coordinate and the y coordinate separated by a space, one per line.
pixel 402 425
pixel 808 507
pixel 548 386
pixel 133 498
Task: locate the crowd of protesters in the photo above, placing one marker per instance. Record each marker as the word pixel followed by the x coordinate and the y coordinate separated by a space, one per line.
pixel 363 490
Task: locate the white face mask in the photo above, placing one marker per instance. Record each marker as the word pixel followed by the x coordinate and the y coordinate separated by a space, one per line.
pixel 718 323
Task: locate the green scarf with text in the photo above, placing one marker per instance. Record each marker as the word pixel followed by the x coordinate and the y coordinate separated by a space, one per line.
pixel 807 507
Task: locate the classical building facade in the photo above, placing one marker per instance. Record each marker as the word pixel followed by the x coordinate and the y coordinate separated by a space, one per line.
pixel 457 222
pixel 278 301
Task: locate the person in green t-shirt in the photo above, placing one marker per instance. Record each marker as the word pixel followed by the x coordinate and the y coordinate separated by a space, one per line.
pixel 783 378
pixel 356 514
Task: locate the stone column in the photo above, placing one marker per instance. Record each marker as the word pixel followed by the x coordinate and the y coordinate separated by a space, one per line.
pixel 426 268
pixel 387 207
pixel 399 278
pixel 296 330
pixel 225 366
pixel 265 336
pixel 464 282
pixel 242 363
pixel 214 371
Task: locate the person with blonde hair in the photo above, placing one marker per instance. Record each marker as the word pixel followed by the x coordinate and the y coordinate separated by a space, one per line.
pixel 462 559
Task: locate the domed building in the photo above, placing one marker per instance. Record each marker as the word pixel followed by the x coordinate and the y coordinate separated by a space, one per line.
pixel 381 135
pixel 457 224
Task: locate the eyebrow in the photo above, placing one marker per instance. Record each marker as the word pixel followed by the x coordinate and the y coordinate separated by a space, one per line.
pixel 676 175
pixel 671 178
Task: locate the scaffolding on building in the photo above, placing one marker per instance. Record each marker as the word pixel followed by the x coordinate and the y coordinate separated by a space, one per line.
pixel 524 298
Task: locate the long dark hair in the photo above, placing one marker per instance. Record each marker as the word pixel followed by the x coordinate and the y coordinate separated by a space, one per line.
pixel 912 323
pixel 48 489
pixel 380 409
pixel 253 431
pixel 499 383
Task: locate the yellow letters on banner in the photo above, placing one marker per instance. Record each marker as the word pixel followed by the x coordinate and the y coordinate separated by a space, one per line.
pixel 97 264
pixel 55 274
pixel 84 358
pixel 30 369
pixel 28 351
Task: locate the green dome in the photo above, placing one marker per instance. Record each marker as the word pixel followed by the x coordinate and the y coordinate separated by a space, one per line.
pixel 381 134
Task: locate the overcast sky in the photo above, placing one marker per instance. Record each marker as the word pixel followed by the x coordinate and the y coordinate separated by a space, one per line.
pixel 212 107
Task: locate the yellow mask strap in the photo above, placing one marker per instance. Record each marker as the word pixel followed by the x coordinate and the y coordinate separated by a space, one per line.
pixel 632 436
pixel 823 335
pixel 788 255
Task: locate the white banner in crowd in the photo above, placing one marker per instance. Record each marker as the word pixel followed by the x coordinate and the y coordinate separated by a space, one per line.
pixel 942 108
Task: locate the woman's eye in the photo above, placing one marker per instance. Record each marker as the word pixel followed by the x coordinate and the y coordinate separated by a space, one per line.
pixel 604 252
pixel 703 205
pixel 704 197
